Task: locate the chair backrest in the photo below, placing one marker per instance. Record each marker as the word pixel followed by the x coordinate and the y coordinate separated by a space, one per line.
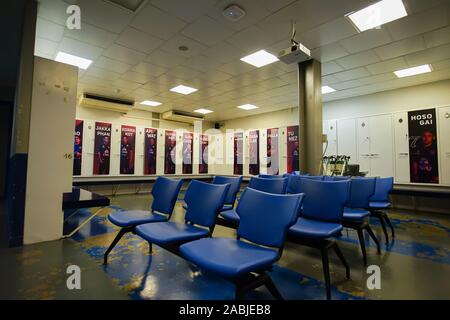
pixel 235 186
pixel 204 201
pixel 341 178
pixel 265 217
pixel 361 189
pixel 277 186
pixel 165 193
pixel 294 185
pixel 325 200
pixel 383 187
pixel 270 176
pixel 318 178
pixel 328 178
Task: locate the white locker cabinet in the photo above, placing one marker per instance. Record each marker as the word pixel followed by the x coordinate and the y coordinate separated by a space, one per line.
pixel 282 145
pixel 346 139
pixel 139 154
pixel 161 149
pixel 50 154
pixel 401 147
pixel 444 144
pixel 263 151
pixel 375 145
pixel 114 164
pixel 330 129
pixel 87 162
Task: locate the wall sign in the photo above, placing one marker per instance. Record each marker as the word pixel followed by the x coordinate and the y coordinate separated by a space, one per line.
pixel 272 151
pixel 253 152
pixel 127 149
pixel 170 152
pixel 78 147
pixel 293 153
pixel 423 146
pixel 187 152
pixel 150 147
pixel 203 166
pixel 238 153
pixel 102 147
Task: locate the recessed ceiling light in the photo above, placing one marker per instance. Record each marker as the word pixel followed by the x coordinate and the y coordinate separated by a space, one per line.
pixel 183 89
pixel 413 71
pixel 150 103
pixel 247 107
pixel 327 89
pixel 378 14
pixel 203 111
pixel 260 58
pixel 79 62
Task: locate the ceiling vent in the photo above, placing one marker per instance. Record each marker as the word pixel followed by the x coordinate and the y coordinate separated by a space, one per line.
pixel 233 12
pixel 88 100
pixel 181 116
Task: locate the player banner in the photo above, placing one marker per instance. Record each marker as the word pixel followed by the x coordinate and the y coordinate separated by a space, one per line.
pixel 102 147
pixel 203 165
pixel 127 149
pixel 170 152
pixel 423 146
pixel 293 152
pixel 78 147
pixel 238 153
pixel 150 144
pixel 253 152
pixel 187 152
pixel 272 151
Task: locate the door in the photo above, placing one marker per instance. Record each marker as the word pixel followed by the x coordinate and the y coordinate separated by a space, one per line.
pixel 444 144
pixel 363 136
pixel 401 147
pixel 381 146
pixel 347 139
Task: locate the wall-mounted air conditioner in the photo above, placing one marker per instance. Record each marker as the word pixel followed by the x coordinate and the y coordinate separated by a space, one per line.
pixel 88 100
pixel 181 116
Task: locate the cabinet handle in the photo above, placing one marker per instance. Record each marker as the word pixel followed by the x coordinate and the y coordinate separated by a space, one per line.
pixel 365 155
pixel 403 153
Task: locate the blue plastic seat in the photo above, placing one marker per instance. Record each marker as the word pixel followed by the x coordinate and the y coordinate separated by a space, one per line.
pixel 264 221
pixel 270 176
pixel 230 216
pixel 341 178
pixel 380 201
pixel 165 193
pixel 275 186
pixel 355 215
pixel 323 208
pixel 204 202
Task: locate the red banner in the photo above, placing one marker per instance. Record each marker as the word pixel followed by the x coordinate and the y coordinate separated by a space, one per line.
pixel 293 152
pixel 272 151
pixel 78 147
pixel 253 152
pixel 238 153
pixel 102 147
pixel 203 166
pixel 151 139
pixel 170 152
pixel 187 152
pixel 127 149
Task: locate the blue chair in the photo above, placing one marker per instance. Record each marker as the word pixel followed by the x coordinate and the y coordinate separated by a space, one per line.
pixel 356 211
pixel 230 218
pixel 265 219
pixel 380 202
pixel 341 178
pixel 165 193
pixel 270 176
pixel 204 200
pixel 318 178
pixel 320 223
pixel 328 178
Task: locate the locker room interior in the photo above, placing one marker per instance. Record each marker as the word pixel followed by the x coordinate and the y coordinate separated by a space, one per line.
pixel 124 124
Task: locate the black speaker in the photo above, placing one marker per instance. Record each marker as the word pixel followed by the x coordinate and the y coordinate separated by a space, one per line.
pixel 217 125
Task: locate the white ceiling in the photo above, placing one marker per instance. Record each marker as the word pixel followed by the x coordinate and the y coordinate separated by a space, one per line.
pixel 137 52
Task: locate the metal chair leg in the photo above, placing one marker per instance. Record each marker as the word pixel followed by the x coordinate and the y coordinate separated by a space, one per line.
pixel 383 226
pixel 386 217
pixel 362 245
pixel 374 237
pixel 272 288
pixel 150 248
pixel 326 271
pixel 113 244
pixel 341 256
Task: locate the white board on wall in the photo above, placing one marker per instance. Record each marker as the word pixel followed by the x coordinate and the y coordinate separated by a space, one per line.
pixel 401 147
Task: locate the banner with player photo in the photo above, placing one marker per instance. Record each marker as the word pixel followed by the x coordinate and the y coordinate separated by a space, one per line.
pixel 238 153
pixel 423 146
pixel 102 147
pixel 203 165
pixel 127 149
pixel 187 152
pixel 293 152
pixel 272 151
pixel 78 147
pixel 253 152
pixel 170 152
pixel 150 145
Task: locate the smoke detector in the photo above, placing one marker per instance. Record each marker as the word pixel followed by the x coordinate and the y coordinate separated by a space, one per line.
pixel 233 12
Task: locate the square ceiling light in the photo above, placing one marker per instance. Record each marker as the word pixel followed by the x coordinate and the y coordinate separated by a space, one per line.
pixel 260 59
pixel 248 107
pixel 203 111
pixel 183 89
pixel 413 71
pixel 378 14
pixel 327 89
pixel 150 103
pixel 76 61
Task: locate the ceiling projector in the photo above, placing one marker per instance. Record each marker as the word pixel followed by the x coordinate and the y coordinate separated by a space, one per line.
pixel 295 54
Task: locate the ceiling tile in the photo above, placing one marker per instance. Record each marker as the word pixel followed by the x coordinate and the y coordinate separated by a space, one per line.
pixel 189 11
pixel 250 40
pixel 173 44
pixel 102 73
pixel 418 23
pixel 428 55
pixel 92 35
pixel 329 52
pixel 138 40
pixel 164 59
pixel 49 30
pixel 352 74
pixel 136 77
pixel 235 67
pixel 45 48
pixel 444 64
pixel 53 10
pixel 330 79
pixel 358 59
pixel 414 6
pixel 157 23
pixel 126 84
pixel 387 66
pixel 400 48
pixel 207 31
pixel 224 52
pixel 184 73
pixel 438 37
pixel 331 67
pixel 202 63
pixel 215 76
pixel 111 64
pixel 366 40
pixel 79 48
pixel 364 81
pixel 150 69
pixel 124 54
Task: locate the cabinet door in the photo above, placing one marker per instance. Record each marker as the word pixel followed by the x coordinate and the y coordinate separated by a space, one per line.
pixel 401 146
pixel 329 128
pixel 381 146
pixel 139 146
pixel 444 144
pixel 363 134
pixel 346 139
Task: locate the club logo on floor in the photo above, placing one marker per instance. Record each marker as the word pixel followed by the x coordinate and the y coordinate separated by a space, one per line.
pixel 73 282
pixel 374 279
